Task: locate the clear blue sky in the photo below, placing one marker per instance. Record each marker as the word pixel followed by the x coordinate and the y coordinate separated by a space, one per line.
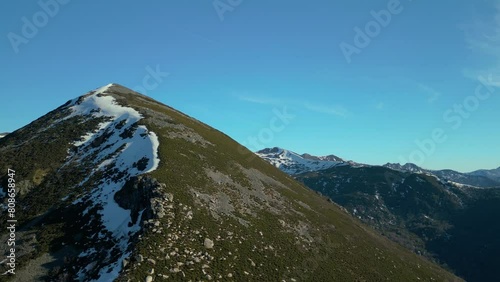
pixel 233 68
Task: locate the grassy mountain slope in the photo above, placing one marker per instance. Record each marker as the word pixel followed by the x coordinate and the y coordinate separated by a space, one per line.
pixel 210 211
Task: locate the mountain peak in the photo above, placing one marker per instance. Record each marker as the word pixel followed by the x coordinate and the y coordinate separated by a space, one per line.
pixel 293 163
pixel 323 158
pixel 275 150
pixel 113 88
pixel 105 88
pixel 117 171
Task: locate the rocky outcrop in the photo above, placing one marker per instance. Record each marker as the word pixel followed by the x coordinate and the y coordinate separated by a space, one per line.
pixel 141 193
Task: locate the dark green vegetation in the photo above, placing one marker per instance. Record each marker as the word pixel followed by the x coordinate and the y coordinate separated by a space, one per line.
pixel 264 225
pixel 451 224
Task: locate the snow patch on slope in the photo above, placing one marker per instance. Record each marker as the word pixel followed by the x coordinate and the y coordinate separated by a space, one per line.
pixel 119 148
pixel 99 105
pixel 460 185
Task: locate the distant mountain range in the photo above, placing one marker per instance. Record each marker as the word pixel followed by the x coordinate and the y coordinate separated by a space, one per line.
pixel 294 163
pixel 493 174
pixel 429 212
pixel 479 178
pixel 3 134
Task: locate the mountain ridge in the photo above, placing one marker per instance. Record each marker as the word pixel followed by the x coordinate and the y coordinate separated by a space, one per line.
pixel 294 163
pixel 480 178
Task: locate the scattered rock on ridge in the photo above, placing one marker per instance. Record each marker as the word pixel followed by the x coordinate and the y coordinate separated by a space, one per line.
pixel 209 244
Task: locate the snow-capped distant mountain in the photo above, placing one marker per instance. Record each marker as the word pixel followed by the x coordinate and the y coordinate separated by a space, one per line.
pixel 293 163
pixel 2 135
pixel 480 178
pixel 332 158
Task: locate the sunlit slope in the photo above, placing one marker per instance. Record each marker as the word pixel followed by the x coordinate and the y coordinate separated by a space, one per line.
pixel 208 209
